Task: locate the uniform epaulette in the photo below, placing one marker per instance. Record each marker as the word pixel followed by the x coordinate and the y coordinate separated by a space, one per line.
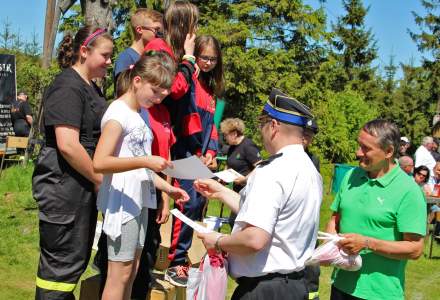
pixel 269 160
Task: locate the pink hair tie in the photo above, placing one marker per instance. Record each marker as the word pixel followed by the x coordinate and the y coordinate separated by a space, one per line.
pixel 93 36
pixel 131 67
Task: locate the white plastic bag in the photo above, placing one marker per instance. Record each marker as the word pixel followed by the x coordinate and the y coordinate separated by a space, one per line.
pixel 208 282
pixel 194 278
pixel 330 254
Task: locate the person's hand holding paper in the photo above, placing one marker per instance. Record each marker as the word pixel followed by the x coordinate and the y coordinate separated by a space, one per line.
pixel 193 168
pixel 178 194
pixel 158 164
pixel 190 168
pixel 210 188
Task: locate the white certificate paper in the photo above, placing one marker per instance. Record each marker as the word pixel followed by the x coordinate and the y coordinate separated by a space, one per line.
pixel 190 168
pixel 197 227
pixel 228 175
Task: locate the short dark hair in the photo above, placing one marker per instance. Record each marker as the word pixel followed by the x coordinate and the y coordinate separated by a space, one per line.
pixel 422 168
pixel 386 131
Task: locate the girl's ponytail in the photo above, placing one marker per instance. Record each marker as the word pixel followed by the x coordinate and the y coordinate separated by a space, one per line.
pixel 66 54
pixel 123 83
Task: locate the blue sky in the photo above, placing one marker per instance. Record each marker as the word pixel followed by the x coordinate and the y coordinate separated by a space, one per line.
pixel 388 19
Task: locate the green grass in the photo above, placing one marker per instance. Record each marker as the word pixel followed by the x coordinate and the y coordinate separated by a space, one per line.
pixel 19 234
pixel 19 243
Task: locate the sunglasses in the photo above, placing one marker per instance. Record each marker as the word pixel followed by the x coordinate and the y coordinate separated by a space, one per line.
pixel 423 175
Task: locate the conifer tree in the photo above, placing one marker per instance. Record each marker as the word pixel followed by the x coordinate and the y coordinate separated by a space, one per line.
pixel 354 44
pixel 428 42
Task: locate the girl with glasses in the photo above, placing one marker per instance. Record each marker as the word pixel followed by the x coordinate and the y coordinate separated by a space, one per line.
pixel 196 135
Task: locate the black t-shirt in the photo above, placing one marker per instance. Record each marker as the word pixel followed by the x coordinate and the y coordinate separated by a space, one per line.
pixel 19 111
pixel 71 101
pixel 243 156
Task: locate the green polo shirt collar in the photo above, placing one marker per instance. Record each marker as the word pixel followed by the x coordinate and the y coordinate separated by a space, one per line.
pixel 385 179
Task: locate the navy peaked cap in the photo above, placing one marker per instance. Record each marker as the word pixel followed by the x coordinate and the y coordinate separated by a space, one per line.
pixel 287 109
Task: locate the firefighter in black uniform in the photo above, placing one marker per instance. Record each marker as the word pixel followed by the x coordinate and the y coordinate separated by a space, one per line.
pixel 64 183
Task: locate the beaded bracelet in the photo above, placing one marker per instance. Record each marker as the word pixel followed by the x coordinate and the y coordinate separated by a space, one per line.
pixel 190 58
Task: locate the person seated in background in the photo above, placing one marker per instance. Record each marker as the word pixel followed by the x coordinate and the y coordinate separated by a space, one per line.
pixel 21 115
pixel 243 155
pixel 434 209
pixel 406 163
pixel 421 177
pixel 404 145
pixel 434 151
pixel 435 176
pixel 423 156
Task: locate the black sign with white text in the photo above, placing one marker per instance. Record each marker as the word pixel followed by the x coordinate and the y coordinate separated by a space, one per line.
pixel 7 78
pixel 7 94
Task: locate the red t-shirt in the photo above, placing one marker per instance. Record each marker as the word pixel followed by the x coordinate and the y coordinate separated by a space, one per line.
pixel 163 134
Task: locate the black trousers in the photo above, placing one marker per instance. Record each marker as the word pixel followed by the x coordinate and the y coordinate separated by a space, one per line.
pixel 271 289
pixel 340 295
pixel 312 280
pixel 65 246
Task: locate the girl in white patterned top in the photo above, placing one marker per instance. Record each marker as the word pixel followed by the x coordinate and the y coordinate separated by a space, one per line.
pixel 124 156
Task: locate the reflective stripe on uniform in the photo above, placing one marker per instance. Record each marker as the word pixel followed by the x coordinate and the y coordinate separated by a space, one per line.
pixel 313 295
pixel 55 286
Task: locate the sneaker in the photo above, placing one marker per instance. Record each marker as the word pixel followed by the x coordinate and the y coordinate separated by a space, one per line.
pixel 177 275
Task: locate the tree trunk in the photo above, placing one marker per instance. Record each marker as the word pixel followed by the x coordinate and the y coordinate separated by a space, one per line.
pixel 98 13
pixel 54 9
pixel 48 33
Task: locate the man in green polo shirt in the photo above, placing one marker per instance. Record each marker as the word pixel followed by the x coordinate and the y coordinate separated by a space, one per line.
pixel 381 212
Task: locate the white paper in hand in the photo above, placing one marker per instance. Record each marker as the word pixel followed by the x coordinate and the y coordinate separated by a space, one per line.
pixel 190 168
pixel 228 175
pixel 197 227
